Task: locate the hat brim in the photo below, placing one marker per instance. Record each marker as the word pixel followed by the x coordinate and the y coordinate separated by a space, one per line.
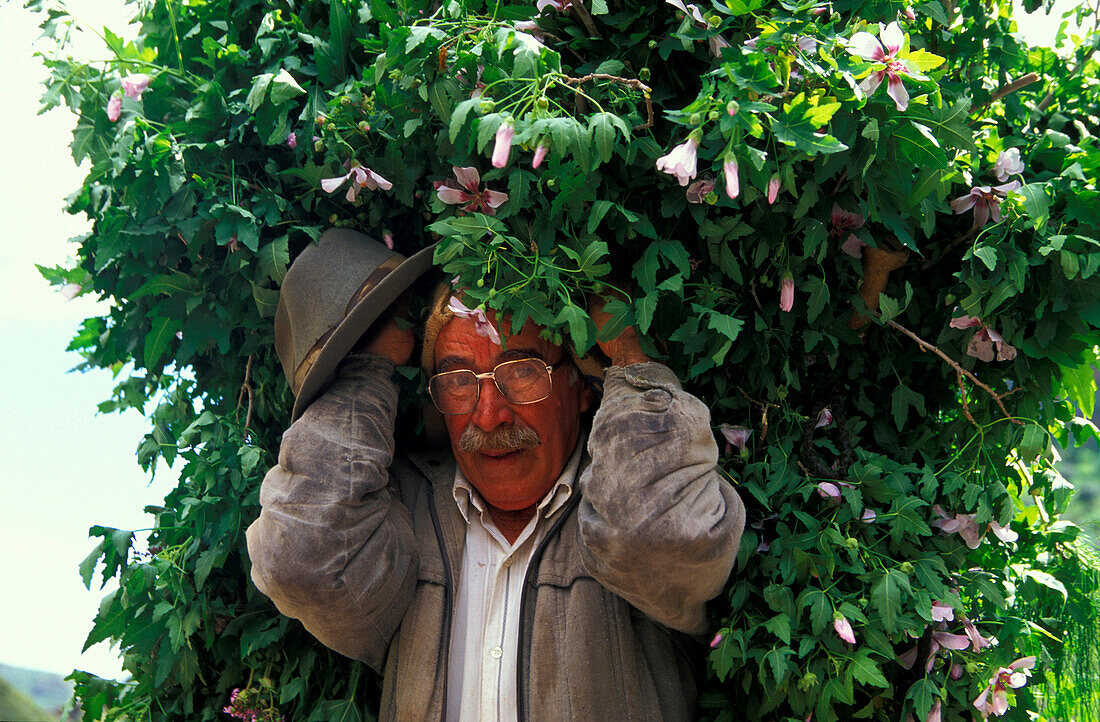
pixel 356 323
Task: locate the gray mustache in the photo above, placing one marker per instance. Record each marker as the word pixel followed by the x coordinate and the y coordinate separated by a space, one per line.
pixel 509 438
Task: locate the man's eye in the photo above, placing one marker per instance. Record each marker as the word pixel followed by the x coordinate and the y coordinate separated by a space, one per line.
pixel 523 371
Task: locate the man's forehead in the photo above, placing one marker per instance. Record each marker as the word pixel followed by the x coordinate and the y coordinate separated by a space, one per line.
pixel 459 339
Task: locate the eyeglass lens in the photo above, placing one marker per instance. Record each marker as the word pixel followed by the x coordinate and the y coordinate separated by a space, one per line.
pixel 521 382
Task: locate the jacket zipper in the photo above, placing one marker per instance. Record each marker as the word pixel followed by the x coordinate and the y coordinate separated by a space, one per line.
pixel 448 592
pixel 524 622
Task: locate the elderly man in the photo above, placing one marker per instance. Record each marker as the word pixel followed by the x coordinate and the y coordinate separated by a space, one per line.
pixel 536 570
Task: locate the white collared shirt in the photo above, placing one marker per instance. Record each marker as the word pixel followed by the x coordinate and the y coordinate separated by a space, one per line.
pixel 481 681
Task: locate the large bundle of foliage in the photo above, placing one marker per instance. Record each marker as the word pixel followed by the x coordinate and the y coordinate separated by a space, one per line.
pixel 867 234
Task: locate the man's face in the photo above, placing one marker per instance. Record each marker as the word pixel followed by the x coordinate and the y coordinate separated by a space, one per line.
pixel 510 480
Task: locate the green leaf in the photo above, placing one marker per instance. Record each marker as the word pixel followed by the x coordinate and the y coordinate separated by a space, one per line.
pixel 176 282
pixel 886 597
pixel 581 328
pixel 1036 203
pixel 821 609
pixel 987 255
pixel 922 694
pixel 87 567
pixel 801 119
pixel 728 326
pixel 909 514
pixel 1047 580
pixel 818 291
pixel 1078 383
pixel 902 399
pixel 156 342
pixel 459 115
pixel 284 87
pixel 339 710
pixel 780 626
pixel 865 671
pixel 645 306
pixel 917 143
pixel 256 95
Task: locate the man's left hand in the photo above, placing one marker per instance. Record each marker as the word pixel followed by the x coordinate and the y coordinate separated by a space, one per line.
pixel 624 349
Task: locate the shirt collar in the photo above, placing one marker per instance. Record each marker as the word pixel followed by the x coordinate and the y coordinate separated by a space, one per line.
pixel 465 495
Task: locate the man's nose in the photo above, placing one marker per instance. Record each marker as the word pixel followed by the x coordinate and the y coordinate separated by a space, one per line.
pixel 492 410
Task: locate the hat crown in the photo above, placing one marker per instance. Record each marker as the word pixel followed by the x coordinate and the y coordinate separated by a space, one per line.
pixel 330 296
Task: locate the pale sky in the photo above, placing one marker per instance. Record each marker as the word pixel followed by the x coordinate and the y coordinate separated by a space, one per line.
pixel 67 468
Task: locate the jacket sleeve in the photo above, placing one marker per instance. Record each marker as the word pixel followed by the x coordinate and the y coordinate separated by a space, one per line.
pixel 659 525
pixel 333 545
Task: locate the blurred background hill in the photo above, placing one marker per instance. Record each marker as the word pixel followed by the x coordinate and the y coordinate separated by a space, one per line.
pixel 27 695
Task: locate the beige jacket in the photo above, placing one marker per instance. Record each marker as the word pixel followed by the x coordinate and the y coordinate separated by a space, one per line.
pixel 363 549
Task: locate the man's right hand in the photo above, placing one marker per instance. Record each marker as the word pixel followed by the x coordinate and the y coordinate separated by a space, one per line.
pixel 390 340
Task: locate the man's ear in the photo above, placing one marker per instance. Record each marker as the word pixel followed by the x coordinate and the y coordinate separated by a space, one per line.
pixel 587 396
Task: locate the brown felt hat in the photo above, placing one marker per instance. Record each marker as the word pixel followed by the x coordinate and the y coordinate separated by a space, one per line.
pixel 331 295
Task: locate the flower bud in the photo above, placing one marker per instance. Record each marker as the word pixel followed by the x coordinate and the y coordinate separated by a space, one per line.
pixel 732 107
pixel 712 115
pixel 652 44
pixel 364 126
pixel 644 74
pixel 695 119
pixel 808 682
pixel 486 106
pixel 906 568
pixel 318 145
pixel 851 543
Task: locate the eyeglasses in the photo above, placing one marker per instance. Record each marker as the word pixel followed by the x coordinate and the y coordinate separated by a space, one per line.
pixel 524 381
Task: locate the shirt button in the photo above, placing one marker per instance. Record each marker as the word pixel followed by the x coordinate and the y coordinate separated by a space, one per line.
pixel 496 652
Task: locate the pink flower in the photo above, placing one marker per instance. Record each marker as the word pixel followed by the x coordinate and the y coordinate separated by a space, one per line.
pixel 503 144
pixel 942 612
pixel 736 436
pixel 853 246
pixel 807 44
pixel 843 220
pixel 824 418
pixel 934 713
pixel 466 191
pixel 361 177
pixel 868 47
pixel 716 641
pixel 986 202
pixel 940 640
pixel 698 190
pixel 773 188
pixel 733 182
pixel 843 628
pixel 540 154
pixel 962 524
pixel 387 238
pixel 986 344
pixel 134 85
pixel 994 698
pixel 681 160
pixel 977 641
pixel 829 490
pixel 961 322
pixel 558 5
pixel 482 325
pixel 689 10
pixel 1003 532
pixel 786 293
pixel 1008 163
pixel 292 140
pixel 114 108
pixel 868 516
pixel 956 671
